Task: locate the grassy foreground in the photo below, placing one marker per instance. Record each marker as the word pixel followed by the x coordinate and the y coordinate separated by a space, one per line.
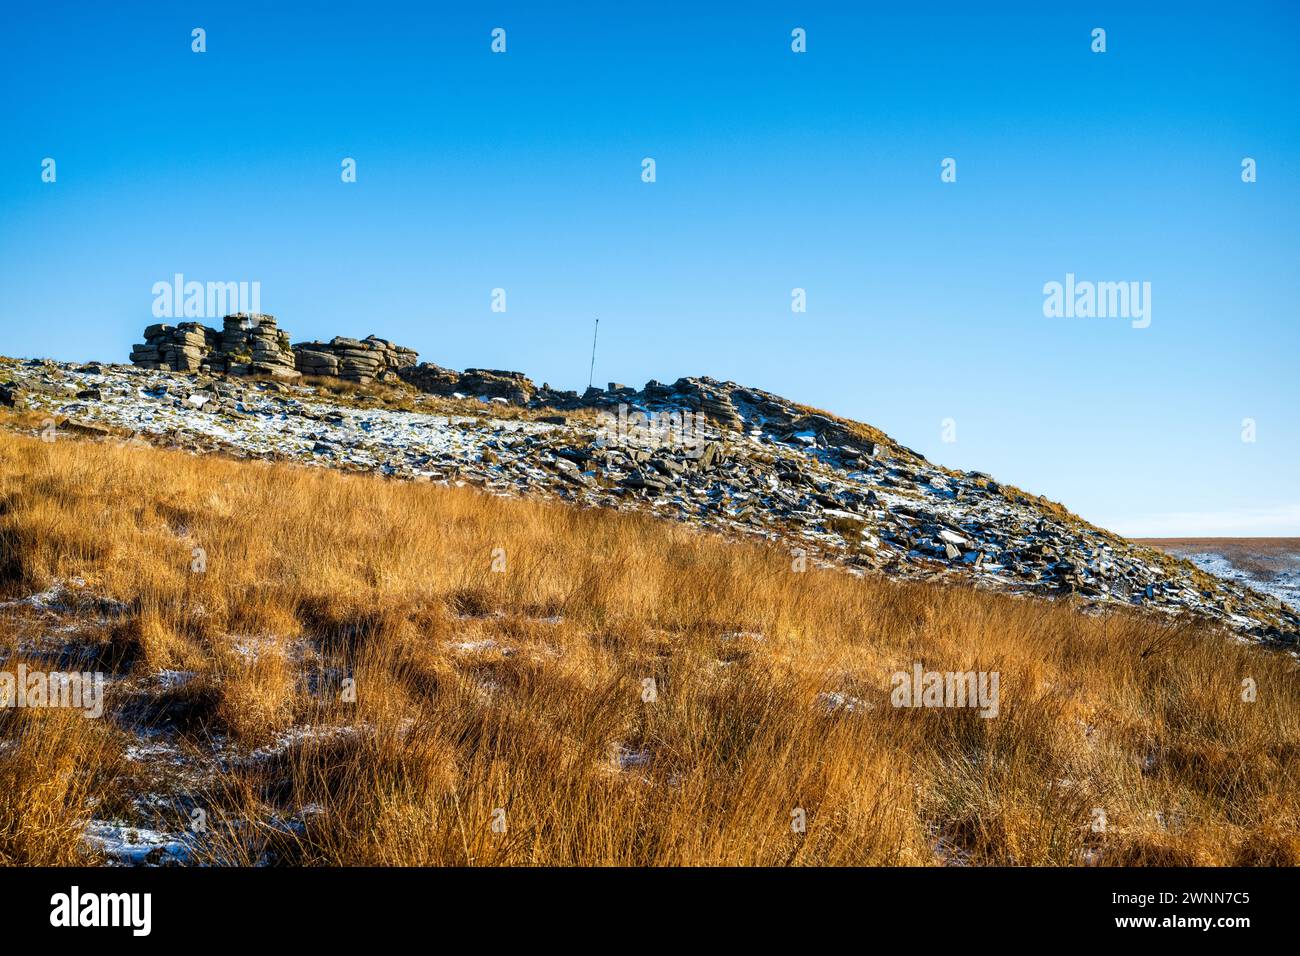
pixel 440 676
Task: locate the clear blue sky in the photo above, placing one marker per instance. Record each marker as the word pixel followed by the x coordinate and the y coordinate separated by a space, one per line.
pixel 775 170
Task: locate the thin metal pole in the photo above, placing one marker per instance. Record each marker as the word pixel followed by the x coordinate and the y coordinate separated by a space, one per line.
pixel 592 374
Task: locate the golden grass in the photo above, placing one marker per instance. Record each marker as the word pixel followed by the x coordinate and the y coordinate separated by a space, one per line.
pixel 499 715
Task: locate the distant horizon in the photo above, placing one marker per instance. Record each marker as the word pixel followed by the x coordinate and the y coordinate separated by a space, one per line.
pixel 1213 537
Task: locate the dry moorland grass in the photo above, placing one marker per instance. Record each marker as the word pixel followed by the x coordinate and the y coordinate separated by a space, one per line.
pixel 522 690
pixel 1264 557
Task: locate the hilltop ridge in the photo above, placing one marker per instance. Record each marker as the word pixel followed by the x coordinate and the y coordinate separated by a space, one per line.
pixel 726 457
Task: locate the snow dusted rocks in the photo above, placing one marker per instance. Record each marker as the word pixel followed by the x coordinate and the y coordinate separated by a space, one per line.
pixel 721 456
pixel 246 345
pixel 354 360
pixel 253 344
pixel 180 348
pixel 487 384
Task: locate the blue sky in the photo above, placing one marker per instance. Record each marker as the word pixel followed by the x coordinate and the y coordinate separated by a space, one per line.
pixel 775 170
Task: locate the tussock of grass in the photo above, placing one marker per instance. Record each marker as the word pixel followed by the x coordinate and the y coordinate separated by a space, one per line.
pixel 522 691
pixel 53 764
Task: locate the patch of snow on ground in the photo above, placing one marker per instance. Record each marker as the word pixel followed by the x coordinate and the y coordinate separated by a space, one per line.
pixel 1285 585
pixel 488 644
pixel 173 679
pixel 628 757
pixel 126 845
pixel 835 700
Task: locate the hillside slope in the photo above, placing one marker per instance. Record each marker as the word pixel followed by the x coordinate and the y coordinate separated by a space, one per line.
pixel 720 456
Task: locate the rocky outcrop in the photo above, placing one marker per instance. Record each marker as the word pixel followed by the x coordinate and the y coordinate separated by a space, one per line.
pixel 248 344
pixel 731 408
pixel 180 348
pixel 353 360
pixel 253 344
pixel 513 387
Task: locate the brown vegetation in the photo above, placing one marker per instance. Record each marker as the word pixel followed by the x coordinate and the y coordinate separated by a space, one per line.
pixel 1262 557
pixel 518 697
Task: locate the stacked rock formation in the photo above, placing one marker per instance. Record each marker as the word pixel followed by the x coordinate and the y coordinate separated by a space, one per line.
pixel 513 387
pixel 247 345
pixel 254 345
pixel 353 360
pixel 180 348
